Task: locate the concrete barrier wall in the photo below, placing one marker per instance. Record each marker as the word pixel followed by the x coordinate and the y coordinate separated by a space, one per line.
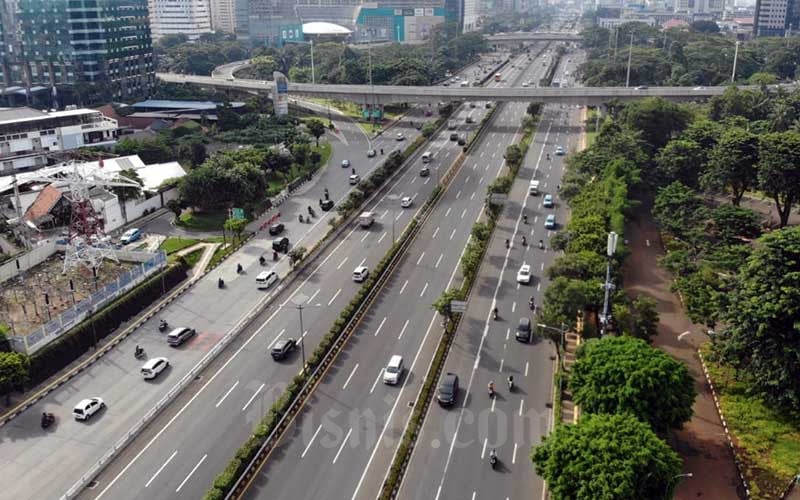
pixel 27 260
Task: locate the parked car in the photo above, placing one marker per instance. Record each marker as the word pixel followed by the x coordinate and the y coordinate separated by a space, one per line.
pixel 153 367
pixel 87 407
pixel 281 349
pixel 276 228
pixel 130 236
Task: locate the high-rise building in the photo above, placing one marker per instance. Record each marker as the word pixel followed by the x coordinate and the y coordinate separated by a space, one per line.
pixel 84 47
pixel 713 7
pixel 223 15
pixel 180 17
pixel 774 17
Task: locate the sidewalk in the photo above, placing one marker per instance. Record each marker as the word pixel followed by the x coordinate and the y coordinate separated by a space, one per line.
pixel 701 443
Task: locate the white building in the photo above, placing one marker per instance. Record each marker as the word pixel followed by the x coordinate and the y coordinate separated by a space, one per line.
pixel 713 7
pixel 223 15
pixel 174 17
pixel 28 136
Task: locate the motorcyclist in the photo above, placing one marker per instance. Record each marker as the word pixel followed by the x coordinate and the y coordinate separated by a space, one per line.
pixel 508 244
pixel 525 219
pixel 220 283
pixel 138 352
pixel 524 242
pixel 532 303
pixel 238 268
pixel 541 244
pixel 261 260
pixel 510 382
pixel 300 217
pixel 274 255
pixel 495 312
pixel 491 388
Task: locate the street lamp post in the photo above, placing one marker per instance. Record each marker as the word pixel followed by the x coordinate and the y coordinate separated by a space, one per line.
pixel 300 303
pixel 311 43
pixel 630 54
pixel 393 198
pixel 611 247
pixel 735 57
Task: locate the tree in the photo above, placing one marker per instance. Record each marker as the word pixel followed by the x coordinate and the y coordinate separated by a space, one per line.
pixel 533 108
pixel 606 457
pixel 513 156
pixel 779 170
pixel 316 128
pixel 296 255
pixel 428 130
pixel 704 27
pixel 149 150
pixel 762 78
pixel 762 339
pixel 227 118
pixel 14 368
pixel 235 226
pixel 174 206
pixel 625 375
pixel 657 119
pixel 732 223
pixel 566 299
pixel 442 304
pixel 678 209
pixel 582 265
pixel 125 193
pixel 680 160
pixel 732 163
pixel 221 181
pixel 637 318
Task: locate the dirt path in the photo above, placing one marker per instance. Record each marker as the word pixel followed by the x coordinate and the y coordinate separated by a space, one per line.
pixel 701 443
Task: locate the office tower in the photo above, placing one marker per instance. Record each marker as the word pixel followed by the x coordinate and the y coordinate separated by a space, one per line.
pixel 174 17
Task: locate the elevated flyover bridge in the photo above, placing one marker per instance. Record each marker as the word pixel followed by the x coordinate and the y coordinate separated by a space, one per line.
pixel 371 95
pixel 530 37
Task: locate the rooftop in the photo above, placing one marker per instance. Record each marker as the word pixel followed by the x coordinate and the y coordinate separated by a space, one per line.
pixel 182 105
pixel 322 28
pixel 17 115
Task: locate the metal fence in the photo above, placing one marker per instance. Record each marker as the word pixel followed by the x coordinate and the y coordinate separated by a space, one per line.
pixel 54 328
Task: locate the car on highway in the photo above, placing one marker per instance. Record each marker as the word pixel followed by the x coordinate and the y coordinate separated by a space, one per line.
pixel 700 87
pixel 524 84
pixel 448 389
pixel 446 84
pixel 130 236
pixel 524 274
pixel 454 136
pixel 471 104
pixel 405 202
pixel 394 370
pixel 560 151
pixel 462 139
pixel 326 205
pixel 275 229
pixel 469 119
pixel 180 335
pixel 428 112
pixel 550 222
pixel 360 274
pixel 424 172
pixel 371 153
pixel 345 163
pixel 488 105
pixel 523 332
pixel 87 408
pixel 354 179
pixel 641 87
pixel 153 367
pixel 266 279
pixel 399 136
pixel 282 348
pixel 280 244
pixel 547 202
pixel 452 125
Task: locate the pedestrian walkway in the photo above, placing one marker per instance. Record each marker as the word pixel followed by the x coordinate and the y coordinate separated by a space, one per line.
pixel 569 410
pixel 702 442
pixel 202 263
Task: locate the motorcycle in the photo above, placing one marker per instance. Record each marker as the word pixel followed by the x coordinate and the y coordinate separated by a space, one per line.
pixel 494 313
pixel 532 304
pixel 220 283
pixel 510 384
pixel 311 211
pixel 493 459
pixel 138 353
pixel 491 390
pixel 48 419
pixel 541 245
pixel 262 260
pixel 238 269
pixel 162 326
pixel 524 242
pixel 508 244
pixel 300 217
pixel 274 255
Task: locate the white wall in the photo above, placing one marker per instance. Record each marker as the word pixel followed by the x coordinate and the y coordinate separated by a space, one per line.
pixel 27 260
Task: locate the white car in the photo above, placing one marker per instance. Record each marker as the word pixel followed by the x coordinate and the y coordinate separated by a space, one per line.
pixel 360 274
pixel 345 163
pixel 153 367
pixel 524 84
pixel 393 371
pixel 559 151
pixel 86 408
pixel 400 136
pixel 524 274
pixel 354 179
pixel 405 202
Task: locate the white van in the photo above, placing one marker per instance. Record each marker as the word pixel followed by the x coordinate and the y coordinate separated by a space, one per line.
pixel 426 157
pixel 266 279
pixel 534 187
pixel 394 370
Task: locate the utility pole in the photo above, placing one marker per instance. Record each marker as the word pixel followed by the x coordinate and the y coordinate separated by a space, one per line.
pixel 630 53
pixel 735 57
pixel 611 247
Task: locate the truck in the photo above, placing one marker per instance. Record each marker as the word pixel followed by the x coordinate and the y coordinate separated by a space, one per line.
pixel 366 219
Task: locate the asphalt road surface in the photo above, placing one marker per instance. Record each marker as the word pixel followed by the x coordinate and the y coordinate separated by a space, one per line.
pixel 191 441
pixel 450 460
pixel 343 443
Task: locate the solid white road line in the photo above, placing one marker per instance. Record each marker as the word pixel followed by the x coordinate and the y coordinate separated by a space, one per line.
pixel 351 376
pixel 403 330
pixel 302 455
pixel 342 446
pixel 226 394
pixel 380 326
pixel 252 397
pixel 334 297
pixel 192 472
pixel 161 468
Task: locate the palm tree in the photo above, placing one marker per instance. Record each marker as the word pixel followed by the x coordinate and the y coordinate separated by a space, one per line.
pixel 125 193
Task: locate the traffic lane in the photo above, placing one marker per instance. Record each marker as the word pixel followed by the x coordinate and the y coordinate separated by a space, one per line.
pixel 312 319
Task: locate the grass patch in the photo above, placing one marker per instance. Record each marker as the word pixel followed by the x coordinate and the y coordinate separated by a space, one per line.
pixel 590 138
pixel 203 221
pixel 193 257
pixel 172 245
pixel 768 441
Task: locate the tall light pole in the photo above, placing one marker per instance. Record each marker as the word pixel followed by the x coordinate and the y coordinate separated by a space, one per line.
pixel 735 57
pixel 611 247
pixel 311 43
pixel 630 54
pixel 300 303
pixel 393 198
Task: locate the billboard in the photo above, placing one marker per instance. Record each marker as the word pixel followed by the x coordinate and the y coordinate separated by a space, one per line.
pixel 280 97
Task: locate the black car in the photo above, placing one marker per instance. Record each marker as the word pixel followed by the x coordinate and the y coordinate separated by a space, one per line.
pixel 326 205
pixel 448 390
pixel 523 333
pixel 282 348
pixel 424 172
pixel 462 140
pixel 454 136
pixel 276 229
pixel 280 244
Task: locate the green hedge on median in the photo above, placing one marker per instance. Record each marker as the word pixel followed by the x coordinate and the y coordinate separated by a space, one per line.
pixel 74 343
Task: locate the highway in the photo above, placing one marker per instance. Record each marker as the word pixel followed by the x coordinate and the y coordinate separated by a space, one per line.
pixel 451 457
pixel 343 443
pixel 45 464
pixel 190 442
pixel 386 94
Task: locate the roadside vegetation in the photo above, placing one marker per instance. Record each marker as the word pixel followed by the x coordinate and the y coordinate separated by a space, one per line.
pixel 684 56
